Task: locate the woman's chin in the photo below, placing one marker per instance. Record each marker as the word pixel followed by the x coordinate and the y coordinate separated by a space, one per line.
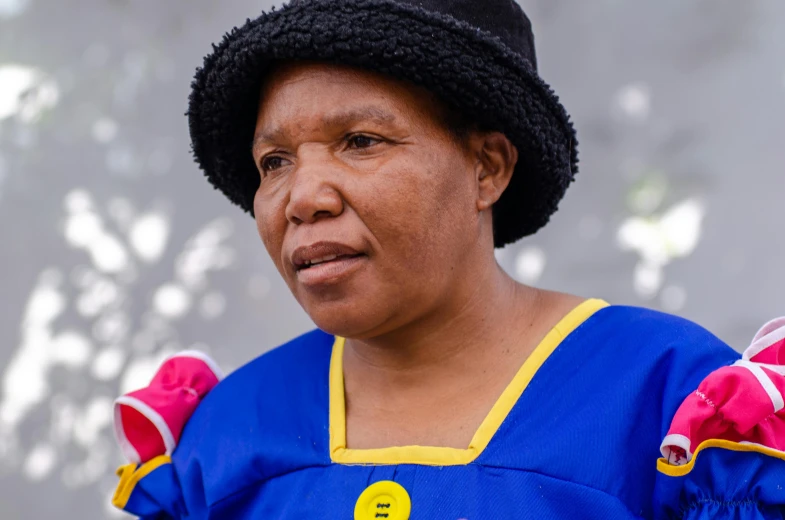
pixel 345 320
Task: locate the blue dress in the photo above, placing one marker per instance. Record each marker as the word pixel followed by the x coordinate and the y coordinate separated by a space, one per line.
pixel 576 434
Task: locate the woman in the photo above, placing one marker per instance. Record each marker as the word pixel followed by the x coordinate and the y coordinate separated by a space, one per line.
pixel 385 147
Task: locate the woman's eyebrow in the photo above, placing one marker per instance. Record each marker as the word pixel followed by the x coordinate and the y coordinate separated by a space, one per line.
pixel 332 120
pixel 355 115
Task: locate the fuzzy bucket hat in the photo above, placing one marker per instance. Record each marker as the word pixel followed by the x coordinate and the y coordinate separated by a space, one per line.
pixel 477 56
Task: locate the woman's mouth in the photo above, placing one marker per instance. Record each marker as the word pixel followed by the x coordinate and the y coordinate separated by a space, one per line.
pixel 308 264
pixel 329 270
pixel 325 263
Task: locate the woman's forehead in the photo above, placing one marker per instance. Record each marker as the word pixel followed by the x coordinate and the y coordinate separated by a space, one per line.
pixel 334 95
pixel 293 71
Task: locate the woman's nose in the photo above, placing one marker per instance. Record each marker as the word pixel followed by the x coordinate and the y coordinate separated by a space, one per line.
pixel 314 194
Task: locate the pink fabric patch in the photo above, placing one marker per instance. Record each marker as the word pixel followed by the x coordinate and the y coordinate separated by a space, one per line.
pixel 739 403
pixel 141 434
pixel 148 422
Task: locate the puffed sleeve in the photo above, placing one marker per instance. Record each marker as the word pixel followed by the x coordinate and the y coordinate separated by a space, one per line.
pixel 723 456
pixel 148 424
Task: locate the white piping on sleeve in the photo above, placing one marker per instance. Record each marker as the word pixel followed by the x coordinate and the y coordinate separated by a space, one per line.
pixel 771 333
pixel 152 416
pixel 201 356
pixel 125 445
pixel 765 382
pixel 675 439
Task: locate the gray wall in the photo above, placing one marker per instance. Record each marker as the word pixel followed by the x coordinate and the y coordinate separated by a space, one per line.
pixel 116 251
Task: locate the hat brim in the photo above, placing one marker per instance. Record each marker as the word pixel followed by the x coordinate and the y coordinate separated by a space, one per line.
pixel 468 69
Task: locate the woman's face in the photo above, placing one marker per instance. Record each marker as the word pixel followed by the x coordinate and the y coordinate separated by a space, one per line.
pixel 367 204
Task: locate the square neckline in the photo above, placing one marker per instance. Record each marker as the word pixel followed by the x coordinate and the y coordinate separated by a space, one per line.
pixel 439 455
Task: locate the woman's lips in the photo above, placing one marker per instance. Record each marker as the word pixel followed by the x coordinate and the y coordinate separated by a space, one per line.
pixel 330 272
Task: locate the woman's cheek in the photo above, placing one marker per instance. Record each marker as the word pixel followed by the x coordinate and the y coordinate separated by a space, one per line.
pixel 271 230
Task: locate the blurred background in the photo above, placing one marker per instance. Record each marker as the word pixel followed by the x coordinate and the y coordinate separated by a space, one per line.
pixel 115 251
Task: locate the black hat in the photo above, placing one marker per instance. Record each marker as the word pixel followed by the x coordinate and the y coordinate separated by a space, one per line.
pixel 477 56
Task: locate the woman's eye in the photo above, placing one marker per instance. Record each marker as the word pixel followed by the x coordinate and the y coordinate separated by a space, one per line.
pixel 362 141
pixel 271 163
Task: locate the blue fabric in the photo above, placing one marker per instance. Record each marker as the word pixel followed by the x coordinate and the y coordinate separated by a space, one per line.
pixel 157 496
pixel 725 484
pixel 581 442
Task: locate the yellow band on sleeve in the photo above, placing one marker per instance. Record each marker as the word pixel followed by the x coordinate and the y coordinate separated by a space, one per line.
pixel 680 471
pixel 131 474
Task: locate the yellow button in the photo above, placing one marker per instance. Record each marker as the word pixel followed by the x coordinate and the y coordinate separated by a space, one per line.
pixel 383 500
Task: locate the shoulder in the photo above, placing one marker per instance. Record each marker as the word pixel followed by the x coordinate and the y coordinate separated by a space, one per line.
pixel 638 334
pixel 267 418
pixel 619 320
pixel 614 383
pixel 639 352
pixel 283 372
pixel 299 358
pixel 630 351
pixel 666 355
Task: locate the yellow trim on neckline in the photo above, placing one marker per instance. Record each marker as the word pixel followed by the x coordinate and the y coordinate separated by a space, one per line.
pixel 441 456
pixel 680 471
pixel 130 475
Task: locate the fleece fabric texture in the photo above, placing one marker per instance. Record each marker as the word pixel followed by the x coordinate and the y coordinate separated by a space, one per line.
pixel 477 57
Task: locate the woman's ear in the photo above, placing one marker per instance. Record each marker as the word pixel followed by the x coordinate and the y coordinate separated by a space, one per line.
pixel 497 157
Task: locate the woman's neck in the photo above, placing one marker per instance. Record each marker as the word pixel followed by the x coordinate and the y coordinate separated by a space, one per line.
pixel 432 384
pixel 478 315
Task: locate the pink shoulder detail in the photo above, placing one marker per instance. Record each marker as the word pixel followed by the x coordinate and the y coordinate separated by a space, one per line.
pixel 148 422
pixel 739 403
